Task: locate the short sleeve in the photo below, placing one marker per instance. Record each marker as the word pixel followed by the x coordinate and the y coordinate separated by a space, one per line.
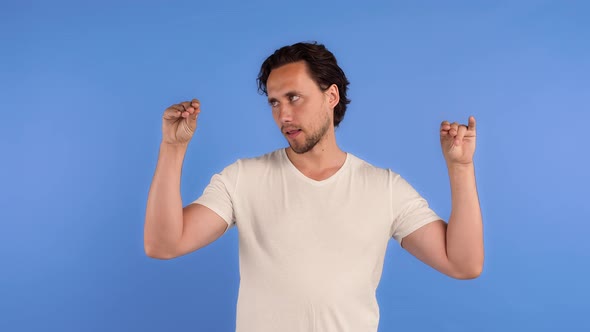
pixel 411 210
pixel 218 194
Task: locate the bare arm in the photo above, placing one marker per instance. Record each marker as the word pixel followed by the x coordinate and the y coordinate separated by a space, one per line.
pixel 171 230
pixel 455 249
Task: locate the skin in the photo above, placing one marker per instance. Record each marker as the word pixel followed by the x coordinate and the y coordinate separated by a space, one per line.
pixel 297 103
pixel 169 229
pixel 455 249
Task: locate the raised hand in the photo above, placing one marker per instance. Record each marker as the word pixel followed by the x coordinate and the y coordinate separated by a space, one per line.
pixel 179 122
pixel 458 142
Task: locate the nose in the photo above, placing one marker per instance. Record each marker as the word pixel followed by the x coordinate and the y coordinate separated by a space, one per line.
pixel 285 114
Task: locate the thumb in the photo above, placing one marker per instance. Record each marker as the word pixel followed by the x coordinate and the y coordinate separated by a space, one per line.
pixel 192 118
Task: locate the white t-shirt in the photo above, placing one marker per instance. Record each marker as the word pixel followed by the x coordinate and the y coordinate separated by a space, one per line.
pixel 311 252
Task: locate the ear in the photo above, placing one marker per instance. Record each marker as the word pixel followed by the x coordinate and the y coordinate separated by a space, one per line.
pixel 333 95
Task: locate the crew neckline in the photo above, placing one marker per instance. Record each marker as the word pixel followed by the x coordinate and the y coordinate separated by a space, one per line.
pixel 307 179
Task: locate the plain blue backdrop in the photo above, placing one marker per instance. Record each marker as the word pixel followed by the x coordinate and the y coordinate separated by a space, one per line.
pixel 83 87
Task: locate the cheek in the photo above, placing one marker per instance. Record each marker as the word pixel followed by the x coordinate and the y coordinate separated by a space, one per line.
pixel 275 117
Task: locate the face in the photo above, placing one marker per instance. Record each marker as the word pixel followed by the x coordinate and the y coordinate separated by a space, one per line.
pixel 302 111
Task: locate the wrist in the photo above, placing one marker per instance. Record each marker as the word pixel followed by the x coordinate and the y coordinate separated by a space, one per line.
pixel 173 148
pixel 460 167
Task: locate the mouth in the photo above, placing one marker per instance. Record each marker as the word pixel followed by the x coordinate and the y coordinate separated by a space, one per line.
pixel 292 133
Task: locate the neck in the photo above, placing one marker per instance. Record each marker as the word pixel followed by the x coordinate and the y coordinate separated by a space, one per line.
pixel 323 160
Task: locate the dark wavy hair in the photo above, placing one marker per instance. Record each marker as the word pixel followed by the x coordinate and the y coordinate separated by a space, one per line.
pixel 321 64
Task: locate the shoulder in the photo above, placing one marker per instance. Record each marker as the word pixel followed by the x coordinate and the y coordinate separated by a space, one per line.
pixel 269 159
pixel 253 164
pixel 361 167
pixel 378 177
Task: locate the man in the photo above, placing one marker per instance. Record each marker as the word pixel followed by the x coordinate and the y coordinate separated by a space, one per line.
pixel 313 221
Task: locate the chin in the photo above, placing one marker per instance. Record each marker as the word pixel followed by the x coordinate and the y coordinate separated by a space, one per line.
pixel 301 149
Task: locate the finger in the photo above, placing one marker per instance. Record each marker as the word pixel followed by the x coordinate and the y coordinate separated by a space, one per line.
pixel 192 107
pixel 191 120
pixel 186 109
pixel 187 106
pixel 454 129
pixel 180 109
pixel 471 122
pixel 197 112
pixel 171 113
pixel 460 133
pixel 195 106
pixel 445 126
pixel 177 107
pixel 191 112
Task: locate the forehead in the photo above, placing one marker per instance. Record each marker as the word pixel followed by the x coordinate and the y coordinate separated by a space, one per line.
pixel 292 76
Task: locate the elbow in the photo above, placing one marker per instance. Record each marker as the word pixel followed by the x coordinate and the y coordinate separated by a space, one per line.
pixel 155 247
pixel 154 252
pixel 468 274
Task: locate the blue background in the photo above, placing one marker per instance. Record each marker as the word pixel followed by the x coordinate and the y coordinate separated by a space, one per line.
pixel 83 87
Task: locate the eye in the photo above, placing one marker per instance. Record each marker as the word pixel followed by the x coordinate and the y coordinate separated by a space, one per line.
pixel 293 98
pixel 273 103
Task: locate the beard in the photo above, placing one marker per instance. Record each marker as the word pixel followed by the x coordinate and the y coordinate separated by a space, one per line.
pixel 312 140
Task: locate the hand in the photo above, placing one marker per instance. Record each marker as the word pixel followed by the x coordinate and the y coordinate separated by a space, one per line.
pixel 179 122
pixel 458 142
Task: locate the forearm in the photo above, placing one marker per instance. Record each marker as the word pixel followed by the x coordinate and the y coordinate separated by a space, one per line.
pixel 164 216
pixel 465 230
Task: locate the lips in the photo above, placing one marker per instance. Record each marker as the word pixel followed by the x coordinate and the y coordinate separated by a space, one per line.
pixel 292 132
